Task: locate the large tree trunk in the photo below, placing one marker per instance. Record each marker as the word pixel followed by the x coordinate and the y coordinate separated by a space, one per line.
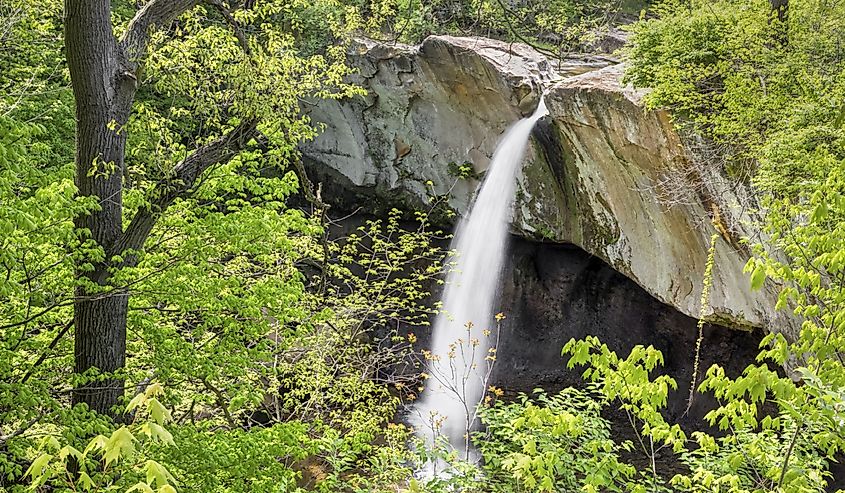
pixel 99 315
pixel 780 9
pixel 102 72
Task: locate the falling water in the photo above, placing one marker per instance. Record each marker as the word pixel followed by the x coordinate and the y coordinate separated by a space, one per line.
pixel 458 367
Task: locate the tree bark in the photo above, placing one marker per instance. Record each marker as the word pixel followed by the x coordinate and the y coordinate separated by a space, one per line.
pixel 99 318
pixel 780 16
pixel 780 9
pixel 102 71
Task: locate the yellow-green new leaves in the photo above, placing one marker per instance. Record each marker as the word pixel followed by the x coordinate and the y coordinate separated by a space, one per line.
pixel 223 287
pixel 551 443
pixel 116 457
pixel 38 470
pixel 145 488
pixel 121 444
pixel 627 379
pixel 157 432
pixel 158 476
pixel 820 211
pixel 758 273
pixel 158 411
pixel 781 452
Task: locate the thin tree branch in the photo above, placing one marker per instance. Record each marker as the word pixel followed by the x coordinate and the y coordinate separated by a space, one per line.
pixel 236 28
pixel 184 177
pixel 515 32
pixel 788 455
pixel 19 431
pixel 154 15
pixel 221 402
pixel 39 314
pixel 46 351
pixel 315 198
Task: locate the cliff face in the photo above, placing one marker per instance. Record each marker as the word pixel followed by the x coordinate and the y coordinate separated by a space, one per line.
pixel 444 102
pixel 591 177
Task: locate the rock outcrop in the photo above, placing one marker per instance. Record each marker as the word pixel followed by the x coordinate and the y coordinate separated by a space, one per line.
pixel 591 177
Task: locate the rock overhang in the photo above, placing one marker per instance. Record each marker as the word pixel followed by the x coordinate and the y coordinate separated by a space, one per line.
pixel 588 177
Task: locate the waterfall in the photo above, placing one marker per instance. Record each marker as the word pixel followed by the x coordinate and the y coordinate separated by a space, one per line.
pixel 458 364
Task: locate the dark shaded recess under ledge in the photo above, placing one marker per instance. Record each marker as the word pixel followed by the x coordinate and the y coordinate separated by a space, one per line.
pixel 552 293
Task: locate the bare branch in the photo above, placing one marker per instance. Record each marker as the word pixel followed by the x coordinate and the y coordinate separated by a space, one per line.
pixel 184 178
pixel 221 402
pixel 515 32
pixel 19 431
pixel 37 315
pixel 153 15
pixel 236 28
pixel 44 353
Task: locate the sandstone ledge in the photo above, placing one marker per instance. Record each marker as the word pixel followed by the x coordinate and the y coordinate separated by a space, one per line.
pixel 588 178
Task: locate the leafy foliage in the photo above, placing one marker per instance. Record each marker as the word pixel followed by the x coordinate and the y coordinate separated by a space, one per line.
pixel 557 27
pixel 263 350
pixel 767 87
pixel 115 461
pixel 551 443
pixel 785 451
pixel 261 329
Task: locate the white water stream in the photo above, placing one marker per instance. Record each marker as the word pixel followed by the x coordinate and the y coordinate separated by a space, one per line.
pixel 463 331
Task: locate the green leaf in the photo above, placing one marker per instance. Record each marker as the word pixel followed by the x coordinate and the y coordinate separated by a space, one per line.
pixel 158 411
pixel 85 481
pixel 159 432
pixel 758 277
pixel 67 451
pixel 36 469
pixel 135 402
pixel 157 475
pixel 121 444
pixel 530 447
pixel 819 212
pixel 142 487
pixel 154 389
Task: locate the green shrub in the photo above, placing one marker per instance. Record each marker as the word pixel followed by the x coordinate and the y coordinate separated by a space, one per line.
pixel 551 443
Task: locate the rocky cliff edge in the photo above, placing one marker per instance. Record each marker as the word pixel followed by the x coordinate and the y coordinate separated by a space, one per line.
pixel 594 175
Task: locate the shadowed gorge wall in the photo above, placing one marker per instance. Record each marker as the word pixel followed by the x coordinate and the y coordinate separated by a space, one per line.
pixel 552 293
